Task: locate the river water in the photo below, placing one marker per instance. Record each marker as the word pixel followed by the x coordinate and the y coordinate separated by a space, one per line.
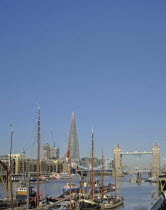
pixel 136 197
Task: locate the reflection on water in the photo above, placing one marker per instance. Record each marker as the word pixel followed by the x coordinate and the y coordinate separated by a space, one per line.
pixel 136 197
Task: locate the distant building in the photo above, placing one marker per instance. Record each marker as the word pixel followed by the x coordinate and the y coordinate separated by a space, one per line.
pixel 46 152
pixel 4 157
pixel 108 164
pixel 50 153
pixel 87 162
pixel 54 152
pixel 73 141
pixel 18 156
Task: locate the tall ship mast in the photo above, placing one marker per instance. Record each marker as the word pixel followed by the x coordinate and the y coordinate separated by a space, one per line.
pixel 68 156
pixel 10 168
pixel 102 181
pixel 92 184
pixel 38 155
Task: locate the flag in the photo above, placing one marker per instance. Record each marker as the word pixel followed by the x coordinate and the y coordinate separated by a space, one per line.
pixel 67 155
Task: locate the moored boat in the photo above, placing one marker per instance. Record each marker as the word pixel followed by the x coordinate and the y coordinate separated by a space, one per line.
pixel 55 176
pixel 7 203
pixel 111 203
pixel 64 176
pixel 22 192
pixel 88 204
pixel 74 188
pixel 66 204
pixel 41 181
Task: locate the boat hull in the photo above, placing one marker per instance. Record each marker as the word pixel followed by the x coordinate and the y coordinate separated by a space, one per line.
pixel 111 205
pixel 88 204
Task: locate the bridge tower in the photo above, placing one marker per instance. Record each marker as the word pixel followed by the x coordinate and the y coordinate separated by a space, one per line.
pixel 156 160
pixel 118 168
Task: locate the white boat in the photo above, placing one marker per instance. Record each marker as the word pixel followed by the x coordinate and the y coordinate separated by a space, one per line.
pixel 152 179
pixel 55 176
pixel 59 176
pixel 64 176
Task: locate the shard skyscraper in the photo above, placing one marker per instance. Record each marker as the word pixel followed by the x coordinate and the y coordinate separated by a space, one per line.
pixel 73 141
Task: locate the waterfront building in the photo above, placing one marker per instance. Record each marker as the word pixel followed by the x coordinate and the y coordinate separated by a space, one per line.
pixel 48 166
pixel 65 165
pixel 18 163
pixel 32 165
pixel 21 164
pixel 18 156
pixel 62 165
pixel 5 160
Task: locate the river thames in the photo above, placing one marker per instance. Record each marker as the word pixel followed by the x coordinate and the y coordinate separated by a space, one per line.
pixel 136 197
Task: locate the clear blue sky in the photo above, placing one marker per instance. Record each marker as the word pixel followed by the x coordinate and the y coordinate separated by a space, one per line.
pixel 104 60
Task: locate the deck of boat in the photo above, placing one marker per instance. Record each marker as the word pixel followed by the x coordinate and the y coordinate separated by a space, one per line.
pixel 111 205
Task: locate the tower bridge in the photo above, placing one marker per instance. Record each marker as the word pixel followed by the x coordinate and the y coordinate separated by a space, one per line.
pixel 118 167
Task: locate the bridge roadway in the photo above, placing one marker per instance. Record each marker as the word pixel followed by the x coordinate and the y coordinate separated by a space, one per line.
pixel 136 171
pixel 95 170
pixel 135 153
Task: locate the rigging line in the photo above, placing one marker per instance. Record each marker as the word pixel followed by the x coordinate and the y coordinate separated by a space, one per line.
pixel 34 141
pixel 10 167
pixel 28 147
pixel 33 146
pixel 4 185
pixel 33 132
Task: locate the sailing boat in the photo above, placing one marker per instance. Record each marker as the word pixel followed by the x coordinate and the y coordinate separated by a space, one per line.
pixel 38 156
pixel 105 188
pixel 90 203
pixel 111 202
pixel 69 187
pixel 24 191
pixel 102 180
pixel 9 201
